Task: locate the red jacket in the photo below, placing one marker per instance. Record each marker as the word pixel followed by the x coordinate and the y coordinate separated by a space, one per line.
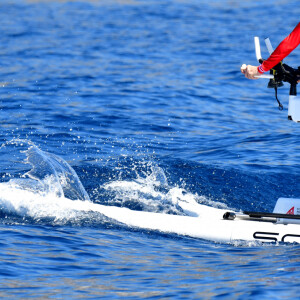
pixel 283 50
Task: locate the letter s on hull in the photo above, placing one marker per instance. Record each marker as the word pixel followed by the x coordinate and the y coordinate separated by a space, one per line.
pixel 269 236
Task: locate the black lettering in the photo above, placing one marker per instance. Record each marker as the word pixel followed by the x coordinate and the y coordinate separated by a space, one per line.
pixel 289 235
pixel 265 236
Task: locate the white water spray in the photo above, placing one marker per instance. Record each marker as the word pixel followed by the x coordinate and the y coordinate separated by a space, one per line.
pixel 52 189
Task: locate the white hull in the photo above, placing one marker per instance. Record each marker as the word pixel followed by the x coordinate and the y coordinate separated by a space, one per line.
pixel 208 224
pixel 201 221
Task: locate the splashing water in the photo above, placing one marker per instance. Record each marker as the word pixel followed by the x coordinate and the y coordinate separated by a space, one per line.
pixel 49 173
pixel 52 189
pixel 52 170
pixel 152 193
pixel 49 189
pixel 51 192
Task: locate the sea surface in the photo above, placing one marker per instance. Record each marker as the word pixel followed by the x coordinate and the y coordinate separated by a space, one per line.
pixel 140 102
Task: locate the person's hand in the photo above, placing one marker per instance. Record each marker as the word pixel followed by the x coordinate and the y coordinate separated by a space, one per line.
pixel 250 71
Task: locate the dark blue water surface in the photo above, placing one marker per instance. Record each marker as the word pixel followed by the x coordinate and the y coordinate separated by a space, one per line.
pixel 120 89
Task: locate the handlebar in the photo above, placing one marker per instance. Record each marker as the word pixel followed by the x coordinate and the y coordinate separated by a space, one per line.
pixel 265 76
pixel 279 74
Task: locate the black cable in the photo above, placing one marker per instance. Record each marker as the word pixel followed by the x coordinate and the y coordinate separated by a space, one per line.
pixel 280 106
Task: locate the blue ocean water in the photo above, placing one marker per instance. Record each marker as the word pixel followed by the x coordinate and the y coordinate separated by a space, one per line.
pixel 131 93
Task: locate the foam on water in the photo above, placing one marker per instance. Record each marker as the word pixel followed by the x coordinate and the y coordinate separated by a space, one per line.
pixel 37 205
pixel 52 190
pixel 153 192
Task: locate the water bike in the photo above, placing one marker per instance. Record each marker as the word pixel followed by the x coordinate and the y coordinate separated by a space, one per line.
pixel 221 225
pixel 279 74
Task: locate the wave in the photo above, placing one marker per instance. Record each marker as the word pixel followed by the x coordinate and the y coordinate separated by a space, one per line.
pixel 51 190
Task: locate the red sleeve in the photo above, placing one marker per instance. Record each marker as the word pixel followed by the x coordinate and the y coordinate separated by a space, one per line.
pixel 283 50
